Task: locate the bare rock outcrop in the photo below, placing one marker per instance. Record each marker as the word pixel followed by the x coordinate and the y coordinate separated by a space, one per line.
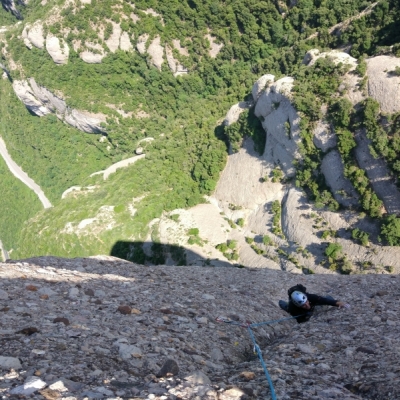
pixel 156 52
pixel 125 42
pixel 261 84
pixel 280 121
pixel 240 183
pixel 34 34
pixel 9 5
pixel 182 50
pixel 215 47
pixel 383 84
pixel 58 49
pixel 48 99
pixel 141 43
pixel 234 112
pixel 174 65
pixel 102 327
pixel 342 189
pixel 296 211
pixel 324 137
pixel 113 41
pixel 85 121
pixel 41 102
pixel 336 56
pixel 94 53
pixel 378 174
pixel 90 57
pixel 25 93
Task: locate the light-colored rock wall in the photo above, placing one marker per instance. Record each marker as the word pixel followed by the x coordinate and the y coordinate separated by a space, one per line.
pixel 234 112
pixel 85 121
pixel 383 84
pixel 156 52
pixel 41 102
pixel 58 49
pixel 113 42
pixel 279 120
pixel 342 189
pixel 34 34
pixel 48 99
pixel 24 93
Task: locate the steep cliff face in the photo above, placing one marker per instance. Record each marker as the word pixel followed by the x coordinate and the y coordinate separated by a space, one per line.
pixel 9 5
pixel 41 102
pixel 106 328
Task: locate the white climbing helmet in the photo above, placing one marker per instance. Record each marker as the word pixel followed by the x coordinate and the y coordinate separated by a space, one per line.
pixel 298 298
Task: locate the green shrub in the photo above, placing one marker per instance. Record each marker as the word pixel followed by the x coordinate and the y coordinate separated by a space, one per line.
pixel 193 231
pixel 333 251
pixel 363 237
pixel 361 68
pixel 390 230
pixel 174 217
pixel 267 240
pixel 120 208
pixel 277 174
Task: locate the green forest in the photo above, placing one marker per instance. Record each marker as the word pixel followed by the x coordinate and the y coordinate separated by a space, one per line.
pixel 184 113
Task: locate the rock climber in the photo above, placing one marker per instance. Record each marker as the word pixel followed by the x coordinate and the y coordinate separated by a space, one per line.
pixel 302 304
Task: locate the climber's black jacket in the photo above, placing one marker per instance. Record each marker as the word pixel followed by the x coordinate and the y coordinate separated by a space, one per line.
pixel 315 300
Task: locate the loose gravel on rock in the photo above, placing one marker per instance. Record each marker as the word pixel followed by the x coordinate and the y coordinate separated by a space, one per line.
pixel 105 328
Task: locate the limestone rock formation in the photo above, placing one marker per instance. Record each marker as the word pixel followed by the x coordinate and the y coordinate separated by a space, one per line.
pixel 58 49
pixel 125 43
pixel 215 47
pixel 342 189
pixel 48 99
pixel 113 41
pixel 174 65
pixel 41 102
pixel 335 55
pixel 102 327
pixel 234 112
pixel 9 5
pixel 25 94
pixel 85 121
pixel 34 34
pixel 324 137
pixel 383 83
pixel 261 84
pixel 378 174
pixel 90 57
pixel 182 50
pixel 280 121
pixel 94 53
pixel 156 53
pixel 141 43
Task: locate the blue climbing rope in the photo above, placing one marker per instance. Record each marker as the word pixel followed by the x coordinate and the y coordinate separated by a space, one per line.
pixel 249 325
pixel 257 348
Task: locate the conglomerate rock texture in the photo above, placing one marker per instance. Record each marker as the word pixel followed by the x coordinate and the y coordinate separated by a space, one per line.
pixel 106 328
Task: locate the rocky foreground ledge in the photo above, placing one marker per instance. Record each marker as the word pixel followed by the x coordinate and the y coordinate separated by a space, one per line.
pixel 105 328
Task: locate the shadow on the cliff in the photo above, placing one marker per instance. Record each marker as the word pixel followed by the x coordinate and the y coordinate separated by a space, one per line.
pixel 318 251
pixel 150 253
pixel 246 126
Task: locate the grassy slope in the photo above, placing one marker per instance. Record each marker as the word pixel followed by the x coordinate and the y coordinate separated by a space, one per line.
pixel 18 204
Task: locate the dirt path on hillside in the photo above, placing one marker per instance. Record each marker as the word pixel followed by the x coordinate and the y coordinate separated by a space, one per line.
pixel 4 252
pixel 345 24
pixel 17 171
